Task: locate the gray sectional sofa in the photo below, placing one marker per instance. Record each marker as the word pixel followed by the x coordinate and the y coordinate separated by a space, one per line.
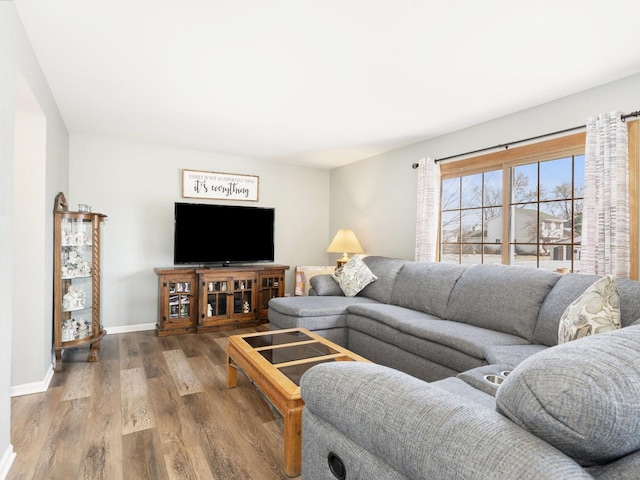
pixel 424 409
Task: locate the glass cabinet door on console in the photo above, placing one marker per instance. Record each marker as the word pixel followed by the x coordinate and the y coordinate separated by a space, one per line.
pixel 177 301
pixel 271 285
pixel 226 298
pixel 216 298
pixel 76 315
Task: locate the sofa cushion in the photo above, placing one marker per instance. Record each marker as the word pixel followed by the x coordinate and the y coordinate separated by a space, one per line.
pixel 354 276
pixel 629 291
pixel 426 286
pixel 386 269
pixel 597 310
pixel 500 297
pixel 314 306
pixel 566 290
pixel 510 355
pixel 570 287
pixel 458 346
pixel 583 397
pixel 326 285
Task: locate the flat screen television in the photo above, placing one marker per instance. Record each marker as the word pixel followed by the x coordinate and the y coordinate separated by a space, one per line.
pixel 214 235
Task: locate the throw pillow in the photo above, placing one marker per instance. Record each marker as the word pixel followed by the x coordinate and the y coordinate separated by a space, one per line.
pixel 353 276
pixel 596 310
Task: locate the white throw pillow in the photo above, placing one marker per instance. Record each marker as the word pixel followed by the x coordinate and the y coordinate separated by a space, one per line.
pixel 353 276
pixel 596 310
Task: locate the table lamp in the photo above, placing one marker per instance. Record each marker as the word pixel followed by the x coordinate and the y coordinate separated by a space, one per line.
pixel 344 242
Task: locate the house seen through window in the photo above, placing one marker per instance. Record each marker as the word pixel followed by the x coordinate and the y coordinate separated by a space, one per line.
pixel 522 214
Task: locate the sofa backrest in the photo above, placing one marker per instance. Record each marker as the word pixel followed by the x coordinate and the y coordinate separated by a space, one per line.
pixel 426 286
pixel 386 269
pixel 501 297
pixel 570 287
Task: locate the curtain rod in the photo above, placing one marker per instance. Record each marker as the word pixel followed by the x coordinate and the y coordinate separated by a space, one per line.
pixel 507 145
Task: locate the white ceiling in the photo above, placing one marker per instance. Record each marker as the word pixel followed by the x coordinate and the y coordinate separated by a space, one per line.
pixel 318 82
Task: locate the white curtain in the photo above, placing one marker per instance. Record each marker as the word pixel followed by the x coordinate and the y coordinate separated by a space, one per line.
pixel 428 209
pixel 605 223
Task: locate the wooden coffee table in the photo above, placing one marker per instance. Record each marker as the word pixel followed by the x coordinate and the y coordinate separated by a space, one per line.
pixel 275 361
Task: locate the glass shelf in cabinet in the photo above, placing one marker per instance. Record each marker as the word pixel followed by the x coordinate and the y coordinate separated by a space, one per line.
pixel 76 244
pixel 76 309
pixel 76 276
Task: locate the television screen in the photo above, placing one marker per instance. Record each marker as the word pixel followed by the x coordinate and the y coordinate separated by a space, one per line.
pixel 222 234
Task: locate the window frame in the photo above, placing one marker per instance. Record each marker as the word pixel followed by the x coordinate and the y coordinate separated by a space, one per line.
pixel 555 148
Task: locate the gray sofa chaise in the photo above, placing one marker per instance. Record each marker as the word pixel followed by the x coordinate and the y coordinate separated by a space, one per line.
pixel 563 411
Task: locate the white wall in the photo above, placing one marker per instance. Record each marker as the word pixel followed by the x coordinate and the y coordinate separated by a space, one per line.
pixel 136 185
pixel 377 196
pixel 19 62
pixel 29 206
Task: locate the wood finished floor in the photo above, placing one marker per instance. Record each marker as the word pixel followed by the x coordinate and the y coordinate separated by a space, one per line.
pixel 152 408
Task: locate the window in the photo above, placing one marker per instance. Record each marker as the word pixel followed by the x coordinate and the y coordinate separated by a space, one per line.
pixel 546 213
pixel 523 206
pixel 471 225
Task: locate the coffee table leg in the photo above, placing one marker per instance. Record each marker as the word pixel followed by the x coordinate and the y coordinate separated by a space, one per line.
pixel 293 442
pixel 232 373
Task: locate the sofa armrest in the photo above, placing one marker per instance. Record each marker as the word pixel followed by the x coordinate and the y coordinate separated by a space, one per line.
pixel 423 431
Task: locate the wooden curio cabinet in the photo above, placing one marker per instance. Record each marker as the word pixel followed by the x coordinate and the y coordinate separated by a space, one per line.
pixel 76 284
pixel 177 301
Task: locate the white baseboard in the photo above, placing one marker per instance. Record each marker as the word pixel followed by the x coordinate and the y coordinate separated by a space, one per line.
pixel 6 461
pixel 35 387
pixel 131 328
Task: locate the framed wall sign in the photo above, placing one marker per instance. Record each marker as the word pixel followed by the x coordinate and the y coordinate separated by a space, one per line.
pixel 220 186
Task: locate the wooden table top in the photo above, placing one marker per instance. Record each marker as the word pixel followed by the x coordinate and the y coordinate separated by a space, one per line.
pixel 282 356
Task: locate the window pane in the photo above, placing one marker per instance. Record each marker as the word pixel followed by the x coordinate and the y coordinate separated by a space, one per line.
pixel 577 222
pixel 450 226
pixel 525 256
pixel 471 258
pixel 576 258
pixel 450 253
pixel 492 188
pixel 524 219
pixel 472 191
pixel 578 176
pixel 555 179
pixel 492 254
pixel 553 216
pixel 524 183
pixel 450 193
pixel 559 258
pixel 493 224
pixel 471 229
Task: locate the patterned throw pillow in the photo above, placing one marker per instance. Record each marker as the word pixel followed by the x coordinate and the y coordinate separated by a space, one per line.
pixel 596 310
pixel 353 276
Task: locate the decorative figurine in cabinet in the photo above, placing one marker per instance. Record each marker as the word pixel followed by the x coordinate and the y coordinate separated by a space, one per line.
pixel 76 286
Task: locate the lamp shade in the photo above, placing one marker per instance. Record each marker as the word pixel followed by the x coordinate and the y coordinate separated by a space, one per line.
pixel 345 241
